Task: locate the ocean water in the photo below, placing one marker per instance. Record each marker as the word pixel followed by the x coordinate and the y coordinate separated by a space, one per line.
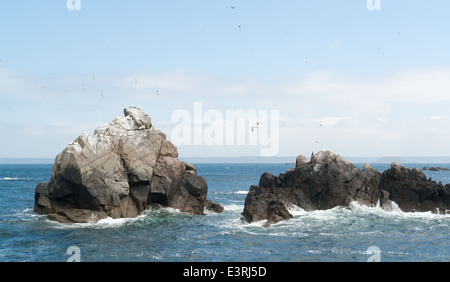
pixel 338 234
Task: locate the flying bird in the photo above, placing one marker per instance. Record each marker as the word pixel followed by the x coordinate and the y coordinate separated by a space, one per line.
pixel 256 126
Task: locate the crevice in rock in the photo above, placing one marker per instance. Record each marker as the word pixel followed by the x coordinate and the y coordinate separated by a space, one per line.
pixel 158 198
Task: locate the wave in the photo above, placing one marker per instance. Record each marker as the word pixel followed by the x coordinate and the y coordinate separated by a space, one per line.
pixel 14 179
pixel 233 207
pixel 295 210
pixel 241 192
pixel 23 215
pixel 103 223
pixel 231 220
pixel 356 214
pixel 110 222
pixel 356 208
pixel 337 223
pixel 395 211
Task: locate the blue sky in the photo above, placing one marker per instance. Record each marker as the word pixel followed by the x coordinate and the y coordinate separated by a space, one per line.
pixel 377 81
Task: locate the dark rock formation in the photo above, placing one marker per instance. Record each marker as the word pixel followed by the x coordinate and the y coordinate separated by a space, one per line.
pixel 435 168
pixel 214 207
pixel 118 172
pixel 412 191
pixel 328 181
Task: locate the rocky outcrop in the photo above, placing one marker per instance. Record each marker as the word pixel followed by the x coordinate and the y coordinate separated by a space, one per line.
pixel 412 191
pixel 118 172
pixel 328 180
pixel 435 168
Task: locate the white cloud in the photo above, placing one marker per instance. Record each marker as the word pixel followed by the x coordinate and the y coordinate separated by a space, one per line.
pixel 178 80
pixel 382 120
pixel 426 86
pixel 354 113
pixel 334 45
pixel 328 121
pixel 436 117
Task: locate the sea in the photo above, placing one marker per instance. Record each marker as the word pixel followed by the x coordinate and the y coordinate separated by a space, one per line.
pixel 342 234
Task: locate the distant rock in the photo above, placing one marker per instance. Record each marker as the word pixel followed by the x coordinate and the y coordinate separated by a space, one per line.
pixel 214 207
pixel 328 181
pixel 435 168
pixel 118 172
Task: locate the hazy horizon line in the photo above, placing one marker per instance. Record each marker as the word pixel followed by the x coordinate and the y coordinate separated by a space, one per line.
pixel 259 159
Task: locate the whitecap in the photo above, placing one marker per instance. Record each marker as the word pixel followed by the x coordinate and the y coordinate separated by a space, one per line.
pixel 161 209
pixel 110 222
pixel 12 178
pixel 317 252
pixel 295 210
pixel 113 222
pixel 240 192
pixel 238 224
pixel 288 233
pixel 393 211
pixel 233 207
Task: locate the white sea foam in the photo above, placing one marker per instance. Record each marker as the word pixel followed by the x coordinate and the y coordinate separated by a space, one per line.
pixel 234 207
pixel 27 211
pixel 241 192
pixel 393 211
pixel 12 178
pixel 295 210
pixel 110 222
pixel 25 214
pixel 340 215
pixel 117 222
pixel 238 224
pixel 103 223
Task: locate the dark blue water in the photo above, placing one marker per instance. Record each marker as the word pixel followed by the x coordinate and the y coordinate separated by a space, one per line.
pixel 339 234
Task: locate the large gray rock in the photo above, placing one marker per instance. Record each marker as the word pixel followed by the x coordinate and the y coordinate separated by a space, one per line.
pixel 328 181
pixel 118 172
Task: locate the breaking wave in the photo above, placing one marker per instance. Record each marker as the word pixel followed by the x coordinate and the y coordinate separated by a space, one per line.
pixel 360 218
pixel 14 179
pixel 145 218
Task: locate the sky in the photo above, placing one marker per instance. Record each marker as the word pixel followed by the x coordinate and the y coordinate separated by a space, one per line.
pixel 327 74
